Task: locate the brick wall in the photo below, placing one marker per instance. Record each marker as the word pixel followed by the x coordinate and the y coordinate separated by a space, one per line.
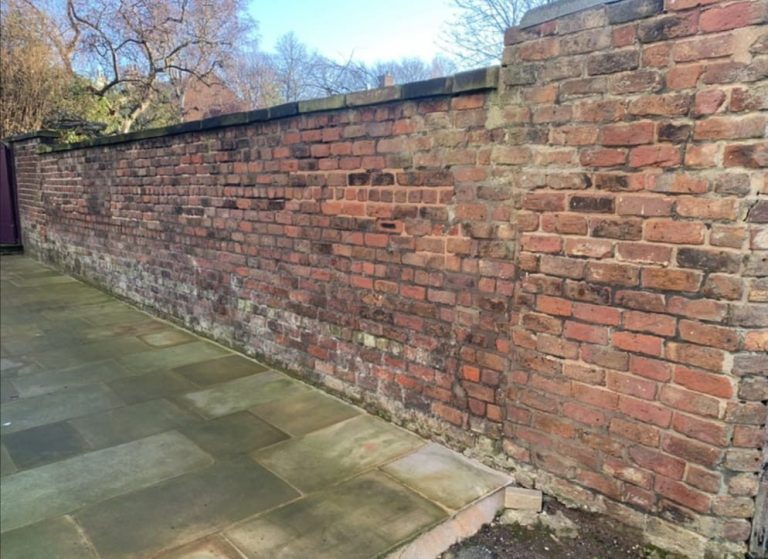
pixel 566 275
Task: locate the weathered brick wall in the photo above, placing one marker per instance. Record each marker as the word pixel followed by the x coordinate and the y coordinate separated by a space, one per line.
pixel 641 371
pixel 567 275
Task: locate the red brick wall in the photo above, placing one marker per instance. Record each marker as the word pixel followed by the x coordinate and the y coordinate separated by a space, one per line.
pixel 568 275
pixel 641 372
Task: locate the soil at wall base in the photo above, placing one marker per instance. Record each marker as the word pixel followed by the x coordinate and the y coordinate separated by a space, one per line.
pixel 598 538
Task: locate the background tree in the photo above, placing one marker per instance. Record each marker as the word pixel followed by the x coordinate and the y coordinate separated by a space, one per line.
pixel 32 78
pixel 474 36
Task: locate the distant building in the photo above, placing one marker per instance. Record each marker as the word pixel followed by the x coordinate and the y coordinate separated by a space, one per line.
pixel 203 100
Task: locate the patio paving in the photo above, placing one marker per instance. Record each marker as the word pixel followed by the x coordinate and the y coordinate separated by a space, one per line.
pixel 126 437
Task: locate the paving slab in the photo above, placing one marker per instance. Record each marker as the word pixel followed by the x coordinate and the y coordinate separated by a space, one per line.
pixel 305 412
pixel 445 477
pixel 45 444
pixel 130 423
pixel 240 432
pixel 26 413
pixel 243 393
pixel 170 357
pixel 61 379
pixel 214 547
pixel 166 338
pixel 7 467
pixel 182 509
pixel 157 384
pixel 331 455
pixel 220 370
pixel 360 518
pixel 58 538
pixel 59 488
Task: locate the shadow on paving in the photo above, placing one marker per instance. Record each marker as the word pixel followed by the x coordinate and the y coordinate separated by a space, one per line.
pixel 125 437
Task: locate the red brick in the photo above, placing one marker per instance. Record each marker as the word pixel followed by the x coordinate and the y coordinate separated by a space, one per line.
pixel 671 280
pixel 584 414
pixel 645 411
pixel 632 134
pixel 631 384
pixel 554 305
pixel 732 16
pixel 585 332
pixel 683 494
pixel 706 431
pixel 638 343
pixel 693 451
pixel 698 356
pixel 689 206
pixel 648 206
pixel 650 368
pixel 595 396
pixel 603 157
pixel 703 382
pixel 647 435
pixel 658 155
pixel 541 243
pixel 597 313
pixel 708 102
pixel 644 253
pixel 709 335
pixel 659 324
pixel 616 274
pixel 658 462
pixel 730 127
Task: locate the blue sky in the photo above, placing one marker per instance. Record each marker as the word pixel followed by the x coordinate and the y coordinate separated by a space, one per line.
pixel 368 29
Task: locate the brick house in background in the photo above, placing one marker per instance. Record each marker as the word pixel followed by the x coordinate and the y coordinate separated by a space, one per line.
pixel 203 100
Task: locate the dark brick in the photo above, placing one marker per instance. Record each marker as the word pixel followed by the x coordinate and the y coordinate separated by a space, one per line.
pixel 630 10
pixel 382 179
pixel 359 179
pixel 592 204
pixel 753 156
pixel 676 133
pixel 759 212
pixel 668 27
pixel 614 183
pixel 612 62
pixel 708 260
pixel 618 229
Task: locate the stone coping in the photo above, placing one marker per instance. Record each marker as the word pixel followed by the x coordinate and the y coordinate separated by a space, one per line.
pixel 464 82
pixel 547 12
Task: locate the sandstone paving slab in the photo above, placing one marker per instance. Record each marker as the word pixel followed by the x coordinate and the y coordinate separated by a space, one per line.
pixel 240 432
pixel 214 547
pixel 170 357
pixel 243 393
pixel 44 280
pixel 158 384
pixel 220 370
pixel 7 391
pixel 77 354
pixel 305 412
pixel 59 488
pixel 44 444
pixel 26 413
pixel 166 338
pixel 61 379
pixel 331 455
pixel 361 518
pixel 445 477
pixel 7 467
pixel 122 316
pixel 58 538
pixel 130 423
pixel 184 509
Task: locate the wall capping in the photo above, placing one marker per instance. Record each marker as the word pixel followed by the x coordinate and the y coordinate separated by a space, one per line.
pixel 547 12
pixel 481 79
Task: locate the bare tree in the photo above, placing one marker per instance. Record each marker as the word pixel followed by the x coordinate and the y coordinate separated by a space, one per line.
pixel 145 48
pixel 475 35
pixel 32 79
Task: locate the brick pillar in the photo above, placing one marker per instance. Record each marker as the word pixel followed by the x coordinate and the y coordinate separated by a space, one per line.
pixel 29 184
pixel 640 381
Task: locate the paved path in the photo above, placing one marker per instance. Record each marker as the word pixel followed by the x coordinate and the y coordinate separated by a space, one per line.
pixel 123 436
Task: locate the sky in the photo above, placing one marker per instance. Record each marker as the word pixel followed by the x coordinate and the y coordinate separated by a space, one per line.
pixel 369 30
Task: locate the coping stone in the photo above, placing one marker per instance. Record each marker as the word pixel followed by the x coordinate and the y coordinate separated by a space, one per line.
pixel 548 12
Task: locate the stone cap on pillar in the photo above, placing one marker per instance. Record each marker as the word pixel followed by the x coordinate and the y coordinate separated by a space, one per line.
pixel 44 136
